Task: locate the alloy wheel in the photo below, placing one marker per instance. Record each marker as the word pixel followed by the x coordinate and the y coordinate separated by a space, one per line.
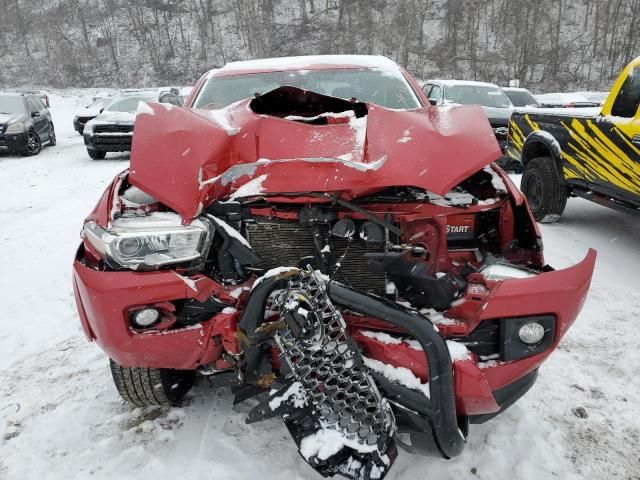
pixel 33 143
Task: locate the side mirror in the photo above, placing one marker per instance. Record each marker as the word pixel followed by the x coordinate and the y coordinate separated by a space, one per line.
pixel 101 110
pixel 433 101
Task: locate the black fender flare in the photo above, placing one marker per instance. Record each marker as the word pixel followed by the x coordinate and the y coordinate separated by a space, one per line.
pixel 541 143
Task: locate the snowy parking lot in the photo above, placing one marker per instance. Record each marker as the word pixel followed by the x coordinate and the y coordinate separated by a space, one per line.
pixel 61 417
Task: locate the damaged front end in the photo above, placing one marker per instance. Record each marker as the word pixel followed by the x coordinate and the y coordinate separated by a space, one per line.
pixel 364 272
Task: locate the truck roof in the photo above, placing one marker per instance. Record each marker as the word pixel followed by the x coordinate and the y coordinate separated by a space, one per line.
pixel 462 82
pixel 309 62
pixel 515 89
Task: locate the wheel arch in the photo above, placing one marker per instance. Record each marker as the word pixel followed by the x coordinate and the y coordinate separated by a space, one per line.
pixel 542 144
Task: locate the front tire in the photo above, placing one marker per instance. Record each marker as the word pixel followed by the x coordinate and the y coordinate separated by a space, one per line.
pixel 34 144
pixel 144 387
pixel 96 154
pixel 547 197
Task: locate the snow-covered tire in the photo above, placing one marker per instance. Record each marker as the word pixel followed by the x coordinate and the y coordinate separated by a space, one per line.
pixel 547 197
pixel 144 387
pixel 96 154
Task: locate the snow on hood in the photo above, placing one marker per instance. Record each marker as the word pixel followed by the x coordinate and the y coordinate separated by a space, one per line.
pixel 188 159
pixel 116 117
pixel 569 112
pixel 9 117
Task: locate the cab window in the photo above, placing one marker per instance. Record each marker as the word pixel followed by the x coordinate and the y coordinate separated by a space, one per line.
pixel 628 100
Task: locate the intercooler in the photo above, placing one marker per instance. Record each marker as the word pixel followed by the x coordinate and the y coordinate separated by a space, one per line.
pixel 285 243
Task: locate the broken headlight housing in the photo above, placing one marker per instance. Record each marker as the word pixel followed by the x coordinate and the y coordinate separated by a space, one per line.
pixel 147 243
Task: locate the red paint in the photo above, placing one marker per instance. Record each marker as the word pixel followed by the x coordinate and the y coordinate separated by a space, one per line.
pixel 106 297
pixel 179 155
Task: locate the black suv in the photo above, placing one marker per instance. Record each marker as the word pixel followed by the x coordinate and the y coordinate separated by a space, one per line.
pixel 25 124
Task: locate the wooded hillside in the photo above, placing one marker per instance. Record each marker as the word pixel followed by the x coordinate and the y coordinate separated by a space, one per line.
pixel 546 44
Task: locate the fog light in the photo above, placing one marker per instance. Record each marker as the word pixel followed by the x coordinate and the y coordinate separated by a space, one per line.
pixel 145 317
pixel 531 333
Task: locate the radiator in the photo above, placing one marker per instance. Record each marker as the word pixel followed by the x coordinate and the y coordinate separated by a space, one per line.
pixel 284 243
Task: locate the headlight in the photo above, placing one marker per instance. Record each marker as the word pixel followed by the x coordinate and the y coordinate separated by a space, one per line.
pixel 145 243
pixel 500 271
pixel 17 127
pixel 88 128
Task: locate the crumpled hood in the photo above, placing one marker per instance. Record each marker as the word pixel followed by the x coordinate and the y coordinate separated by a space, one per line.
pixel 116 117
pixel 188 159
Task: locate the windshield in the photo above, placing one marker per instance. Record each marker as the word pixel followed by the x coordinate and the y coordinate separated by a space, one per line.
pixel 129 104
pixel 521 98
pixel 486 96
pixel 11 104
pixel 100 102
pixel 363 84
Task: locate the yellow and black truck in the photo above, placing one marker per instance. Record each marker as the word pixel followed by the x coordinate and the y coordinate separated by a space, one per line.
pixel 581 152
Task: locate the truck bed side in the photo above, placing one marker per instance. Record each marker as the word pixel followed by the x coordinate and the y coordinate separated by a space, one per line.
pixel 590 151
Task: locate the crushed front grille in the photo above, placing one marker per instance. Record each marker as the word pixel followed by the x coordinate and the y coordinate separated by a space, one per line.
pixel 328 365
pixel 113 128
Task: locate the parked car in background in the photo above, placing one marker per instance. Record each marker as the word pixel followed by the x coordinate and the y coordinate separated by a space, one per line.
pixel 566 100
pixel 490 97
pixel 520 97
pixel 112 129
pixel 90 112
pixel 25 124
pixel 593 153
pixel 43 94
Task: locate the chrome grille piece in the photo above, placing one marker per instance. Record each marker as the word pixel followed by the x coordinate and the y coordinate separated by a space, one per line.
pixel 328 364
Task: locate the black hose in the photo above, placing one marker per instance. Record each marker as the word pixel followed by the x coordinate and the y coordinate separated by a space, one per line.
pixel 442 402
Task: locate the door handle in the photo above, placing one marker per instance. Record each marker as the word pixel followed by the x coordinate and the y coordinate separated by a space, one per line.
pixel 636 140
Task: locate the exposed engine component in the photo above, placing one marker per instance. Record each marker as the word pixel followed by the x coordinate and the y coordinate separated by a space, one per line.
pixel 285 242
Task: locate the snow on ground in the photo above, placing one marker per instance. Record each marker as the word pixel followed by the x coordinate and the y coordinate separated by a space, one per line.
pixel 60 416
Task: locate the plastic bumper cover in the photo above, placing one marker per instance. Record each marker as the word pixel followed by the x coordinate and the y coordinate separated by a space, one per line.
pixel 104 299
pixel 13 141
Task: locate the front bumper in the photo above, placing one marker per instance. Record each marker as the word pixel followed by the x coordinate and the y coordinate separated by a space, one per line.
pixel 13 142
pixel 107 142
pixel 103 299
